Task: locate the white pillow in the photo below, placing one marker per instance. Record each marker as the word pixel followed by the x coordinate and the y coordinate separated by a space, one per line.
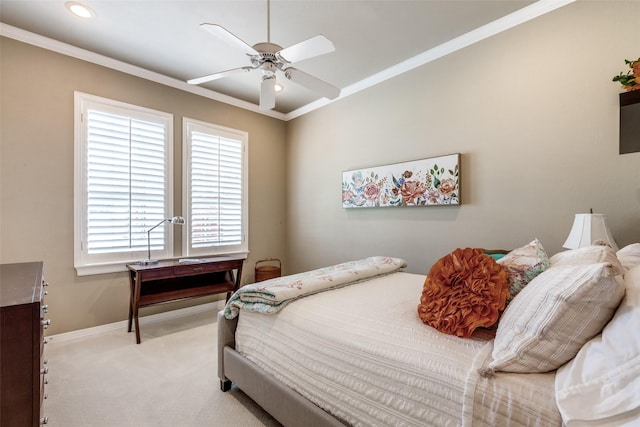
pixel 603 380
pixel 588 255
pixel 554 316
pixel 629 256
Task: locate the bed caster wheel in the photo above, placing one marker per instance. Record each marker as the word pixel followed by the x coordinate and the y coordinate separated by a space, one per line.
pixel 225 385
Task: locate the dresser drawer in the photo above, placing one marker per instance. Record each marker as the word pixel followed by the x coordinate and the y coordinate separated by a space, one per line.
pixel 44 311
pixel 23 318
pixel 161 273
pixel 189 270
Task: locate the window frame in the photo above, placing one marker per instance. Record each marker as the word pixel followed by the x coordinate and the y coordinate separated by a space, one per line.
pixel 85 263
pixel 189 125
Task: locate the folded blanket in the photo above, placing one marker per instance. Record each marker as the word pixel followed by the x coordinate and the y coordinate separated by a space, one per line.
pixel 272 295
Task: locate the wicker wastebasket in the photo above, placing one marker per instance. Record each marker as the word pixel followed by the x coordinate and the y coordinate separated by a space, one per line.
pixel 267 269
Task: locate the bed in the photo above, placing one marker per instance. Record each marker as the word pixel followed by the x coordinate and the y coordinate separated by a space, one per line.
pixel 353 351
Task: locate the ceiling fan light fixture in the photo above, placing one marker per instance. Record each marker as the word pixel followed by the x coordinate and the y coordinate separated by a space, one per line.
pixel 267 92
pixel 271 58
pixel 79 9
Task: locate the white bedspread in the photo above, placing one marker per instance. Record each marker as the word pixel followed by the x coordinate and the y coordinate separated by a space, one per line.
pixel 362 354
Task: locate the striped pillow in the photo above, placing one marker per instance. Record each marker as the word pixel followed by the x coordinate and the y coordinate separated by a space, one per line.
pixel 588 255
pixel 554 316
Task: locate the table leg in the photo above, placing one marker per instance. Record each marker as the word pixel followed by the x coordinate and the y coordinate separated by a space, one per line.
pixel 137 326
pixel 136 304
pixel 233 279
pixel 236 280
pixel 131 297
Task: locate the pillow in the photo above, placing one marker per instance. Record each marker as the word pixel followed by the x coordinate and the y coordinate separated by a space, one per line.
pixel 523 264
pixel 629 256
pixel 588 255
pixel 464 290
pixel 556 314
pixel 495 253
pixel 603 380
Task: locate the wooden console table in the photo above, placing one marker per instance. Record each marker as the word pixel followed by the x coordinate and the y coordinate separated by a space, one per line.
pixel 169 281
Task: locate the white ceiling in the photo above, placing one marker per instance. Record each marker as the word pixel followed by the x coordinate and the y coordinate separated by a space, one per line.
pixel 371 37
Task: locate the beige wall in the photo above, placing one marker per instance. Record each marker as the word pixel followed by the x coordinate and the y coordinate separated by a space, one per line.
pixel 533 112
pixel 36 193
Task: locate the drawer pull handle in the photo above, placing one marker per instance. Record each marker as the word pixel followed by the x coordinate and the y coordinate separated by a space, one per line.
pixel 197 269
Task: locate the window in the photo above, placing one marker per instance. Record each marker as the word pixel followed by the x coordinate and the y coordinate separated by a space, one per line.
pixel 215 192
pixel 123 183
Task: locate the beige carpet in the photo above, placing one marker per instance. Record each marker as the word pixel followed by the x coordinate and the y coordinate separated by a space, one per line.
pixel 170 379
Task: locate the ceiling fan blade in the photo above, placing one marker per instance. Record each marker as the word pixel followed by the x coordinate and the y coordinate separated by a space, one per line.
pixel 217 76
pixel 227 37
pixel 268 93
pixel 315 46
pixel 315 84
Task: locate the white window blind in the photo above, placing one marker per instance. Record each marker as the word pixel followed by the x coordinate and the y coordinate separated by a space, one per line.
pixel 123 182
pixel 215 160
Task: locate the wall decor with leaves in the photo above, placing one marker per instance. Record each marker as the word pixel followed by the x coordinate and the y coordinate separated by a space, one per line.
pixel 433 181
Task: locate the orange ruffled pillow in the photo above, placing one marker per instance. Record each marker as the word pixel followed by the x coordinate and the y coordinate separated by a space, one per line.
pixel 463 291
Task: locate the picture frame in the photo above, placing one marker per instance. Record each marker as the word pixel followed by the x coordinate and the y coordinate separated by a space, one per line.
pixel 433 181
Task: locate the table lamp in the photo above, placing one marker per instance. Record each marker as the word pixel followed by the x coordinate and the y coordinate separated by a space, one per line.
pixel 587 229
pixel 177 220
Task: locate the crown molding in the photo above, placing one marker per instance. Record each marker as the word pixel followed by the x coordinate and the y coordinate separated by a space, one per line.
pixel 114 64
pixel 495 27
pixel 516 18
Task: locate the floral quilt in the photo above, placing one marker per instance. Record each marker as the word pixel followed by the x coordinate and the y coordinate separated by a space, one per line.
pixel 272 295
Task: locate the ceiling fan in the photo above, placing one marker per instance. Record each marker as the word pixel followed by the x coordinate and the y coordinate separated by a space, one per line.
pixel 269 58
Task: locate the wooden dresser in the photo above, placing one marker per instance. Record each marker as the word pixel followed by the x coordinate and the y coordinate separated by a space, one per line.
pixel 22 367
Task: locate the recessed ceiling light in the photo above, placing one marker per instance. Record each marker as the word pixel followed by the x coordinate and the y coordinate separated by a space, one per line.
pixel 79 9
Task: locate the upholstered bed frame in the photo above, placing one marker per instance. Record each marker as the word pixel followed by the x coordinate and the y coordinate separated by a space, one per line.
pixel 284 404
pixel 472 388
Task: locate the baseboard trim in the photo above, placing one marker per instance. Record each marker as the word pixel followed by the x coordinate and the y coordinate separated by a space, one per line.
pixel 144 320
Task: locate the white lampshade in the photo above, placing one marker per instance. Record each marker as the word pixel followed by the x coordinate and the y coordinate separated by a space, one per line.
pixel 587 229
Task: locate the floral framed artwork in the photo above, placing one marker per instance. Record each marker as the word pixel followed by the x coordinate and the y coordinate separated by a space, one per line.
pixel 427 182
